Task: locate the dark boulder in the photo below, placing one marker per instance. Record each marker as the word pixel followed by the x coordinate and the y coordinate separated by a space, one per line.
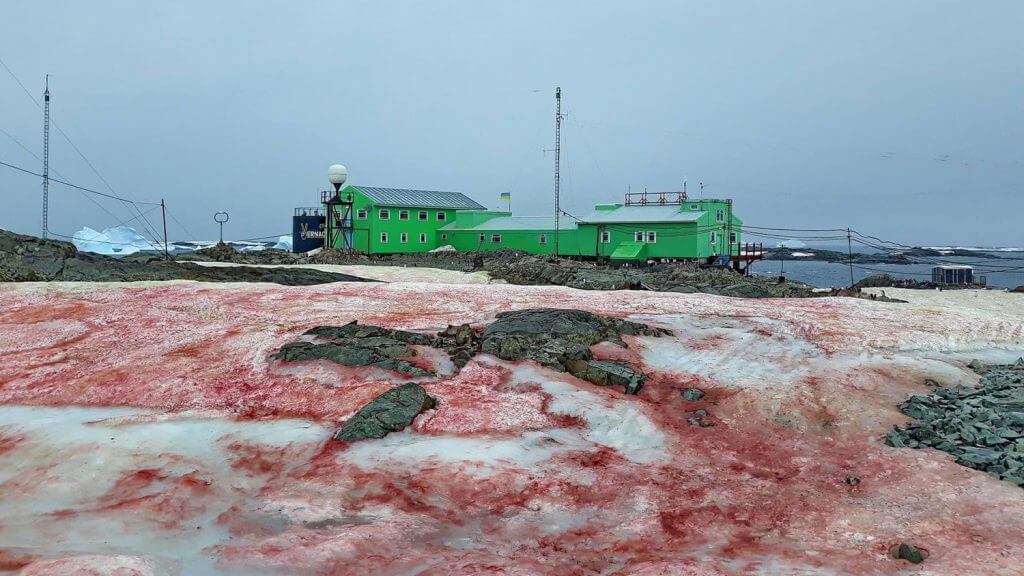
pixel 910 553
pixel 390 412
pixel 561 339
pixel 363 331
pixel 378 352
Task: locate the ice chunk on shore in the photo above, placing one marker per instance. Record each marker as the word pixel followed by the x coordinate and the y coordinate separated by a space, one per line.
pixel 116 240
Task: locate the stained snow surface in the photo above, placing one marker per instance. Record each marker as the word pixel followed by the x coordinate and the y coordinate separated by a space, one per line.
pixel 144 430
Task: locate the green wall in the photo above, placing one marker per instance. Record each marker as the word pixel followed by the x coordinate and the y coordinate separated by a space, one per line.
pixel 672 240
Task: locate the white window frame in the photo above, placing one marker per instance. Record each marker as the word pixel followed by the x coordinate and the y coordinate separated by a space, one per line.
pixel 483 237
pixel 441 216
pixel 732 237
pixel 361 214
pixel 720 215
pixel 384 214
pixel 542 239
pixel 606 237
pixel 403 214
pixel 714 237
pixel 444 236
pixel 638 236
pixel 495 238
pixel 383 237
pixel 423 237
pixel 403 237
pixel 652 237
pixel 423 216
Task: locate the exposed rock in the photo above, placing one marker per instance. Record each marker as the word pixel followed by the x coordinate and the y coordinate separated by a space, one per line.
pixel 461 343
pixel 359 345
pixel 31 259
pixel 693 394
pixel 561 339
pixel 910 553
pixel 852 480
pixel 390 412
pixel 981 425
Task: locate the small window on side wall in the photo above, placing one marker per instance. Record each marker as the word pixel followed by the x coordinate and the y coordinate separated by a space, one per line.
pixel 732 237
pixel 384 214
pixel 441 216
pixel 403 214
pixel 423 238
pixel 361 214
pixel 606 237
pixel 638 236
pixel 423 215
pixel 652 237
pixel 542 239
pixel 714 238
pixel 483 237
pixel 496 238
pixel 383 237
pixel 444 236
pixel 403 238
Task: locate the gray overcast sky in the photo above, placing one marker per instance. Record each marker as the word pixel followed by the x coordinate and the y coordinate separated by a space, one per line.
pixel 903 119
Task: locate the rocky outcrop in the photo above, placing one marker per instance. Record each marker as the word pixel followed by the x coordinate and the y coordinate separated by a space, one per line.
pixel 983 425
pixel 390 412
pixel 561 339
pixel 359 345
pixel 31 259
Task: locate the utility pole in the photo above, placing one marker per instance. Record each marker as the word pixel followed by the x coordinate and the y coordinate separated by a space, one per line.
pixel 46 158
pixel 163 212
pixel 558 161
pixel 849 253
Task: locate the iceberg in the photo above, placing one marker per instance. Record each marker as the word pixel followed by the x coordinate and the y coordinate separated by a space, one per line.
pixel 284 243
pixel 119 240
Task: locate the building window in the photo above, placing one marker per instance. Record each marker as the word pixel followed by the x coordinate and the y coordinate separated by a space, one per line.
pixel 652 237
pixel 714 237
pixel 423 214
pixel 638 236
pixel 403 238
pixel 361 214
pixel 732 237
pixel 483 237
pixel 694 206
pixel 384 215
pixel 444 236
pixel 423 238
pixel 383 237
pixel 720 215
pixel 542 239
pixel 606 237
pixel 441 216
pixel 403 214
pixel 496 238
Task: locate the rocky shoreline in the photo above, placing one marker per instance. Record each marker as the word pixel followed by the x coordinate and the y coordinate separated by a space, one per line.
pixel 30 259
pixel 982 426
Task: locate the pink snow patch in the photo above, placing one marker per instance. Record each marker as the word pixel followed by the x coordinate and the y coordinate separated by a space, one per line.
pixel 147 425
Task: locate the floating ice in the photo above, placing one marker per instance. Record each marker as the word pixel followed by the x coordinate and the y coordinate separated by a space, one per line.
pixel 284 243
pixel 116 240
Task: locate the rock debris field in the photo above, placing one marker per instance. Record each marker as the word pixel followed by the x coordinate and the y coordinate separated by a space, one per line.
pixel 191 428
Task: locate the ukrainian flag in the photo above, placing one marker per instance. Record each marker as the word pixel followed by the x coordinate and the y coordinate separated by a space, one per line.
pixel 505 196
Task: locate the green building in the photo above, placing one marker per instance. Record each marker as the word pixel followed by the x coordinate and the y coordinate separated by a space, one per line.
pixel 391 220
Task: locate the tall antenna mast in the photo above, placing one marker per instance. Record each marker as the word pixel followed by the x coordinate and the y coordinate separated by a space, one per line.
pixel 558 160
pixel 46 158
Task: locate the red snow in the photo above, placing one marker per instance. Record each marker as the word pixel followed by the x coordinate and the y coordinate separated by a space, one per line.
pixel 761 491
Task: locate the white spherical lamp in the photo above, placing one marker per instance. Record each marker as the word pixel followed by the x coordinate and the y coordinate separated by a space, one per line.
pixel 337 174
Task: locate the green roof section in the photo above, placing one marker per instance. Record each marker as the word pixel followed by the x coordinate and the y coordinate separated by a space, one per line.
pixel 405 198
pixel 630 251
pixel 605 214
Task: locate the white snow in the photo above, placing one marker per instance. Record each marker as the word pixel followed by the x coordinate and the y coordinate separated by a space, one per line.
pixel 802 254
pixel 116 240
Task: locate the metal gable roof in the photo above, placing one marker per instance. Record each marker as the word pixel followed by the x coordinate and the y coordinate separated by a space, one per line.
pixel 418 198
pixel 518 223
pixel 641 214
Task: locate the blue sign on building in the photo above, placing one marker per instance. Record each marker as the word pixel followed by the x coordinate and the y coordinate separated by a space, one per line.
pixel 307 229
